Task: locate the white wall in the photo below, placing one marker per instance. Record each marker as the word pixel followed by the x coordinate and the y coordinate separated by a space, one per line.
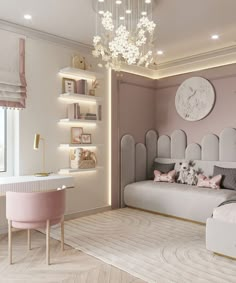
pixel 43 110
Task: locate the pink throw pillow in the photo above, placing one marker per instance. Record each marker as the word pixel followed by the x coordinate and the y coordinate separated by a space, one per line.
pixel 161 177
pixel 213 183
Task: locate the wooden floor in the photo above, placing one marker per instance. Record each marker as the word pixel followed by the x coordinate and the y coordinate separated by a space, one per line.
pixel 68 266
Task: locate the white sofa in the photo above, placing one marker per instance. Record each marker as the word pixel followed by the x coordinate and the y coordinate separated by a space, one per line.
pixel 184 201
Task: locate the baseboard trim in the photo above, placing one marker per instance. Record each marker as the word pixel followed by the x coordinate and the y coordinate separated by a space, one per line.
pixel 226 256
pixel 168 215
pixel 4 230
pixel 87 212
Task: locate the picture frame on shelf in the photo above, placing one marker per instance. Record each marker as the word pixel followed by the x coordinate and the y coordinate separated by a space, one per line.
pixel 68 85
pixel 76 134
pixel 86 138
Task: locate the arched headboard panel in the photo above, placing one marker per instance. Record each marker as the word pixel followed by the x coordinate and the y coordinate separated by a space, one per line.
pixel 193 152
pixel 178 144
pixel 228 145
pixel 151 146
pixel 140 162
pixel 137 160
pixel 127 163
pixel 210 148
pixel 164 147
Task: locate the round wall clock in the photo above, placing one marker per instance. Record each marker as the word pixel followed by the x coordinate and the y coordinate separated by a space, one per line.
pixel 195 99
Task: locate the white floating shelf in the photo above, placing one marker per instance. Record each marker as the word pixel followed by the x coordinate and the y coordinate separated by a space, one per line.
pixel 69 170
pixel 70 97
pixel 82 74
pixel 79 121
pixel 72 145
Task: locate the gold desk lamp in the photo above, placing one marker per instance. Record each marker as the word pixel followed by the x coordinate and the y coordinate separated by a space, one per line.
pixel 37 139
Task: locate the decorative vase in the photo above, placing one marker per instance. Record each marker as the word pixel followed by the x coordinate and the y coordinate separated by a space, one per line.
pixel 92 92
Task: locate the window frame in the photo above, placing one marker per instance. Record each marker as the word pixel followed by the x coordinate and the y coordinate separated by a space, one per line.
pixel 5 142
pixel 11 122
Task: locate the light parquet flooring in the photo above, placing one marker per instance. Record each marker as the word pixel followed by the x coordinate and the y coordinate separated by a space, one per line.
pixel 68 266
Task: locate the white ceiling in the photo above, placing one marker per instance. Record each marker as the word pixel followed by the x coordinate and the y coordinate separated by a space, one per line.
pixel 184 27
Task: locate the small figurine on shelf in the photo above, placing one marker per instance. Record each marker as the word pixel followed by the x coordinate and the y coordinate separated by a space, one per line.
pixel 95 84
pixel 78 62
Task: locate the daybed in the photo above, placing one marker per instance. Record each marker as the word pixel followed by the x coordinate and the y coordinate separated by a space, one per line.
pixel 189 202
pixel 174 199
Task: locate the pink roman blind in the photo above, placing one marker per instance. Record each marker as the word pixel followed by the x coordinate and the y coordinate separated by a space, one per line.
pixel 12 71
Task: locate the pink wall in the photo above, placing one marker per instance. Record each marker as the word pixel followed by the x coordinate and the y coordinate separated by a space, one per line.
pixel 223 114
pixel 133 112
pixel 140 104
pixel 136 110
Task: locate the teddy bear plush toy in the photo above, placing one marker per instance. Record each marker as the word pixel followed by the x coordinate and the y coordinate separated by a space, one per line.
pixel 183 172
pixel 187 173
pixel 78 62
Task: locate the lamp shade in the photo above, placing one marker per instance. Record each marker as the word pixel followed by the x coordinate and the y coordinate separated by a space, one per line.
pixel 36 141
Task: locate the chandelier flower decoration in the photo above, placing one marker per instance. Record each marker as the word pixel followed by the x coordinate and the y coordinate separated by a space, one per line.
pixel 117 44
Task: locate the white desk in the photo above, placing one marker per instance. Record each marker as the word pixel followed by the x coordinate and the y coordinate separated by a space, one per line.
pixel 34 184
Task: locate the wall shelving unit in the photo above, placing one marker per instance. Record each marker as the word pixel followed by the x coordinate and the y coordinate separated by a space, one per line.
pixel 74 97
pixel 72 145
pixel 69 98
pixel 70 170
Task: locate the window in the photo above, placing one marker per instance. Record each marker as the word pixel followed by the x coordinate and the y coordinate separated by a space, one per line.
pixel 3 126
pixel 8 141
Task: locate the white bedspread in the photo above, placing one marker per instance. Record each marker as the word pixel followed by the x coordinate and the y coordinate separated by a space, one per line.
pixel 179 200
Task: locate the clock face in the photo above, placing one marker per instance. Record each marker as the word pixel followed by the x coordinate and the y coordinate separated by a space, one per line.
pixel 194 99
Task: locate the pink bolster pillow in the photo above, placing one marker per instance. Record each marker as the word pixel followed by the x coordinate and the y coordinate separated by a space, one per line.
pixel 167 177
pixel 213 183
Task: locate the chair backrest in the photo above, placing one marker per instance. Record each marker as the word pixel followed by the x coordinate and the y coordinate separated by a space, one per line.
pixel 35 206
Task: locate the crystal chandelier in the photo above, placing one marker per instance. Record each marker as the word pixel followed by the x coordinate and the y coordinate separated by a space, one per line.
pixel 124 32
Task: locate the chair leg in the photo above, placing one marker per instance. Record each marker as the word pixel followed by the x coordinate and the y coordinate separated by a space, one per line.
pixel 29 239
pixel 62 234
pixel 9 242
pixel 48 243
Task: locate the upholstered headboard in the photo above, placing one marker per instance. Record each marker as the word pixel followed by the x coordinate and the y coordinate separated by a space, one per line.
pixel 137 159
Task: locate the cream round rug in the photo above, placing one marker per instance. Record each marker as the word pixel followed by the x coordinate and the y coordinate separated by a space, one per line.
pixel 151 247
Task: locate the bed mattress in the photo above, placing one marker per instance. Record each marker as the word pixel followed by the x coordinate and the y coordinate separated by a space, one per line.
pixel 184 201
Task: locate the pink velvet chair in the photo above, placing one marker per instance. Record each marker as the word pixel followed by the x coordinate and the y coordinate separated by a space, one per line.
pixel 35 210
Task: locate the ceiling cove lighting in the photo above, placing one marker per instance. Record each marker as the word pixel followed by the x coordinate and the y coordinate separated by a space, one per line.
pixel 27 17
pixel 124 39
pixel 215 36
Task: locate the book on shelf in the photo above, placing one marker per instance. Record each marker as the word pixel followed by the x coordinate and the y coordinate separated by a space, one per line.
pixel 73 111
pixel 90 116
pixel 99 112
pixel 81 87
